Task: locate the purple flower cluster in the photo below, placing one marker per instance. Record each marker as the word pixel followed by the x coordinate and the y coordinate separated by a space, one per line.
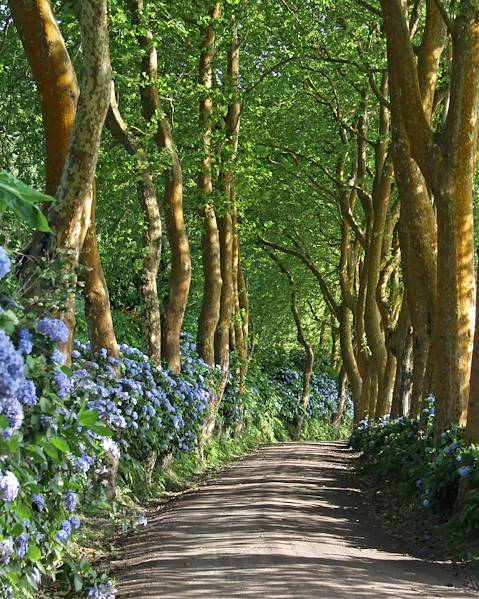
pixel 11 368
pixel 56 330
pixel 103 591
pixel 5 263
pixel 65 531
pixel 9 487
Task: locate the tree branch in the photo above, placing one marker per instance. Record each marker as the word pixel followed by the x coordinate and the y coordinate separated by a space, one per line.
pixel 445 16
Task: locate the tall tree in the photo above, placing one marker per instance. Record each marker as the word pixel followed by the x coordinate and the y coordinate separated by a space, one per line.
pixel 211 253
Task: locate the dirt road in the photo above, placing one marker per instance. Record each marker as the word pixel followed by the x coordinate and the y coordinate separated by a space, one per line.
pixel 286 522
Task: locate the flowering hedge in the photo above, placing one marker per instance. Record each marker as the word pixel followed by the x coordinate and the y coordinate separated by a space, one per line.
pixel 47 435
pixel 404 449
pixel 63 428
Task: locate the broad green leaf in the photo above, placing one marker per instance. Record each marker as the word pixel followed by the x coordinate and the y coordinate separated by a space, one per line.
pixel 60 444
pixel 87 418
pixel 23 200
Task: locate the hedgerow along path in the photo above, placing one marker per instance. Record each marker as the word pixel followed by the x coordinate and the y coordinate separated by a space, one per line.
pixel 286 522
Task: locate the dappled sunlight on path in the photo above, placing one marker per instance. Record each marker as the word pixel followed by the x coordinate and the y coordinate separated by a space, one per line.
pixel 287 522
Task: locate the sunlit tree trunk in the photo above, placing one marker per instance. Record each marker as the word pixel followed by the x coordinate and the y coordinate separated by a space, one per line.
pixel 180 274
pixel 381 195
pixel 244 320
pixel 212 281
pixel 97 298
pixel 151 317
pixel 56 82
pixel 448 163
pixel 227 185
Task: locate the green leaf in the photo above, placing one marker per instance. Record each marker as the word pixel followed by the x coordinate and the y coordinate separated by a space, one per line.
pixel 60 444
pixel 87 417
pixel 34 552
pixel 36 451
pixel 50 451
pixel 101 430
pixel 23 200
pixel 78 582
pixel 23 511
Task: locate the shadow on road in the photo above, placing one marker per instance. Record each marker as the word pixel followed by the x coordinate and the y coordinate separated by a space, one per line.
pixel 287 522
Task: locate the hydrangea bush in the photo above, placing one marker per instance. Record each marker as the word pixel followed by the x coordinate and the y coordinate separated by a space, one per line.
pixel 404 449
pixel 46 435
pixel 278 398
pixel 148 408
pixel 323 403
pixel 62 428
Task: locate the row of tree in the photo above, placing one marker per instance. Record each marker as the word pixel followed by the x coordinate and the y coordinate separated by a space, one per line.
pixel 73 118
pixel 357 165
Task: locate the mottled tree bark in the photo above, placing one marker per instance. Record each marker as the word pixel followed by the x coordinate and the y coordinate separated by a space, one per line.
pixel 180 274
pixel 56 82
pixel 97 298
pixel 244 319
pixel 223 329
pixel 212 282
pixel 447 162
pixel 151 317
pixel 227 185
pixel 69 215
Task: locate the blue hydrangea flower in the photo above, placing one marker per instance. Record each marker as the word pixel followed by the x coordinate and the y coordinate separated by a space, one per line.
pixel 84 463
pixel 464 471
pixel 36 576
pixel 75 522
pixel 63 384
pixel 6 551
pixel 13 410
pixel 142 520
pixel 21 545
pixel 27 394
pixel 110 447
pixel 103 591
pixel 11 367
pixel 53 328
pixel 57 357
pixel 65 531
pixel 39 502
pixel 5 263
pixel 426 503
pixel 25 342
pixel 71 500
pixel 9 487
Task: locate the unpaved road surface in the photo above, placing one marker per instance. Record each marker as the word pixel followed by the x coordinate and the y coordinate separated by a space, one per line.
pixel 286 522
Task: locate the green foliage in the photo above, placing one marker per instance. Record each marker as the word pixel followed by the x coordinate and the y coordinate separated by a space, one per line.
pixel 23 201
pixel 404 450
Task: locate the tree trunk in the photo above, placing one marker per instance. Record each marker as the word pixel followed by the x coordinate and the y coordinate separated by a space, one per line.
pixel 244 318
pixel 97 298
pixel 180 274
pixel 223 329
pixel 448 162
pixel 54 77
pixel 151 317
pixel 210 306
pixel 342 394
pixel 472 426
pixel 56 82
pixel 69 215
pixel 227 185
